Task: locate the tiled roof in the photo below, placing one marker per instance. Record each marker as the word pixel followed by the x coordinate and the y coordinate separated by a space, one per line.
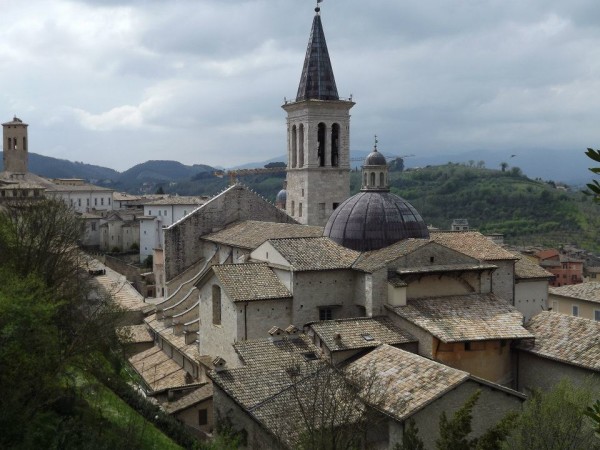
pixel 572 340
pixel 396 281
pixel 317 253
pixel 441 268
pixel 276 353
pixel 195 396
pixel 250 233
pixel 360 333
pixel 583 291
pixel 474 317
pixel 245 282
pixel 158 370
pixel 411 381
pixel 371 261
pixel 176 200
pixel 472 243
pixel 528 269
pixel 135 334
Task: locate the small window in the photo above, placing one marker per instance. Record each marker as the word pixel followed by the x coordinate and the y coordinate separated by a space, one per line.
pixel 325 314
pixel 299 209
pixel 159 212
pixel 575 310
pixel 109 200
pixel 93 226
pixel 79 202
pixel 216 304
pixel 293 207
pixel 367 337
pixel 95 202
pixel 467 346
pixel 203 416
pixel 310 356
pixel 165 213
pixel 87 202
pixel 102 201
pixel 597 315
pixel 302 192
pixel 335 205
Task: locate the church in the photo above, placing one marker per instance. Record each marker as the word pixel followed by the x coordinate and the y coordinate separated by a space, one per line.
pixel 351 280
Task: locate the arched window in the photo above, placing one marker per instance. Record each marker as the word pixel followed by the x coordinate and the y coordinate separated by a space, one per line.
pixel 216 304
pixel 301 145
pixel 10 143
pixel 294 151
pixel 321 144
pixel 335 145
pixel 372 179
pixel 381 179
pixel 24 143
pixel 366 181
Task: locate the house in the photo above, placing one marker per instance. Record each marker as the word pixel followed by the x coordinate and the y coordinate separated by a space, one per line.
pixel 579 300
pixel 120 231
pixel 566 270
pixel 531 287
pixel 564 347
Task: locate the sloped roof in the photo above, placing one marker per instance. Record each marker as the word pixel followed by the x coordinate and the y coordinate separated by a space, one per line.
pixel 176 200
pixel 276 353
pixel 246 282
pixel 568 339
pixel 456 318
pixel 158 370
pixel 135 334
pixel 371 261
pixel 412 381
pixel 472 243
pixel 583 291
pixel 251 233
pixel 319 253
pixel 527 269
pixel 190 399
pixel 363 332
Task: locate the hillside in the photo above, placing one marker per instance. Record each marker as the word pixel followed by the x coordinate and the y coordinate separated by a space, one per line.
pixel 154 173
pixel 526 211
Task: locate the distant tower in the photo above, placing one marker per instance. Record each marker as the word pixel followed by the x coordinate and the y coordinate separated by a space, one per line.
pixel 318 129
pixel 14 143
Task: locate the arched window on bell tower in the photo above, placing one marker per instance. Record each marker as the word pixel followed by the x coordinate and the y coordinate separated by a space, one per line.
pixel 321 144
pixel 335 145
pixel 301 145
pixel 294 149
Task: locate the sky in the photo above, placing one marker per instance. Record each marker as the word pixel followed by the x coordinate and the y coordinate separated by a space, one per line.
pixel 120 82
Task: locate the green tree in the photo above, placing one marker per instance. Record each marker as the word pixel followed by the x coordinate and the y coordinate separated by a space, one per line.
pixel 594 186
pixel 410 437
pixel 593 412
pixel 555 420
pixel 503 166
pixel 160 190
pixel 454 432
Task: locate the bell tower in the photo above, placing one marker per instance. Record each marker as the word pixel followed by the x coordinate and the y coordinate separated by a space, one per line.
pixel 318 137
pixel 14 143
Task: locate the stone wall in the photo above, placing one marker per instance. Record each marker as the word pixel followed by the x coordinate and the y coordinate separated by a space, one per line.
pixel 183 245
pixel 503 280
pixel 531 297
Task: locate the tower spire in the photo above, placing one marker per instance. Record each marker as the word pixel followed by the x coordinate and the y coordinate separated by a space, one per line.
pixel 317 81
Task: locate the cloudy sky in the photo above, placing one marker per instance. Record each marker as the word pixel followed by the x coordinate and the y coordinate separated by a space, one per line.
pixel 119 82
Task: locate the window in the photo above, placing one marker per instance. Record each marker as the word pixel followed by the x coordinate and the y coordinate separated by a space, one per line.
pixel 203 416
pixel 165 213
pixel 302 192
pixel 216 304
pixel 300 209
pixel 301 146
pixel 109 200
pixel 102 201
pixel 335 145
pixel 335 205
pixel 321 144
pixel 597 315
pixel 93 226
pixel 87 202
pixel 95 202
pixel 149 212
pixel 293 141
pixel 293 208
pixel 575 310
pixel 325 314
pixel 159 212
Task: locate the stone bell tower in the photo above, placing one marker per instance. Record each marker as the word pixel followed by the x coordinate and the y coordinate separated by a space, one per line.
pixel 318 135
pixel 14 143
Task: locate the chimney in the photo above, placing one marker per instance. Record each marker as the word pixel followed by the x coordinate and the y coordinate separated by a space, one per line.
pixel 292 331
pixel 277 334
pixel 220 364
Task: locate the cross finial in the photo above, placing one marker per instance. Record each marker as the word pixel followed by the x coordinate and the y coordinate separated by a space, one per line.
pixel 375 146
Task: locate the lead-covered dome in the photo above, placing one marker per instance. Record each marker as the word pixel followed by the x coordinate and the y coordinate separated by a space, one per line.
pixel 373 220
pixel 375 159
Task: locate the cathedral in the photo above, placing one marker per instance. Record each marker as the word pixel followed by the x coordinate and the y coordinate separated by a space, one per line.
pixel 352 280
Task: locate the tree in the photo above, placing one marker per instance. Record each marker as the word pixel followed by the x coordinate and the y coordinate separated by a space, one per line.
pixel 594 186
pixel 160 190
pixel 410 437
pixel 503 166
pixel 555 420
pixel 454 432
pixel 593 412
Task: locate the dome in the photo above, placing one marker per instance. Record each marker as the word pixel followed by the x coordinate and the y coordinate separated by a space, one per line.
pixel 373 220
pixel 375 159
pixel 281 196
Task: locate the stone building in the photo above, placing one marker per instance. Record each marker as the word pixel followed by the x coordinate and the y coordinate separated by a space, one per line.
pixel 579 300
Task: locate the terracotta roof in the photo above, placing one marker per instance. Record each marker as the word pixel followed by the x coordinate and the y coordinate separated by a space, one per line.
pixel 250 233
pixel 472 243
pixel 583 291
pixel 411 381
pixel 545 254
pixel 474 317
pixel 572 340
pixel 371 261
pixel 277 353
pixel 190 399
pixel 317 253
pixel 158 370
pixel 245 282
pixel 360 333
pixel 527 269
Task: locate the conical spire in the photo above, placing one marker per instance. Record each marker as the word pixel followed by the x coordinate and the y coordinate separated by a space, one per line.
pixel 317 81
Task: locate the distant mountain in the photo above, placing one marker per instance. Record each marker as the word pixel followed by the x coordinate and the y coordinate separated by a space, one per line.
pixel 145 176
pixel 46 166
